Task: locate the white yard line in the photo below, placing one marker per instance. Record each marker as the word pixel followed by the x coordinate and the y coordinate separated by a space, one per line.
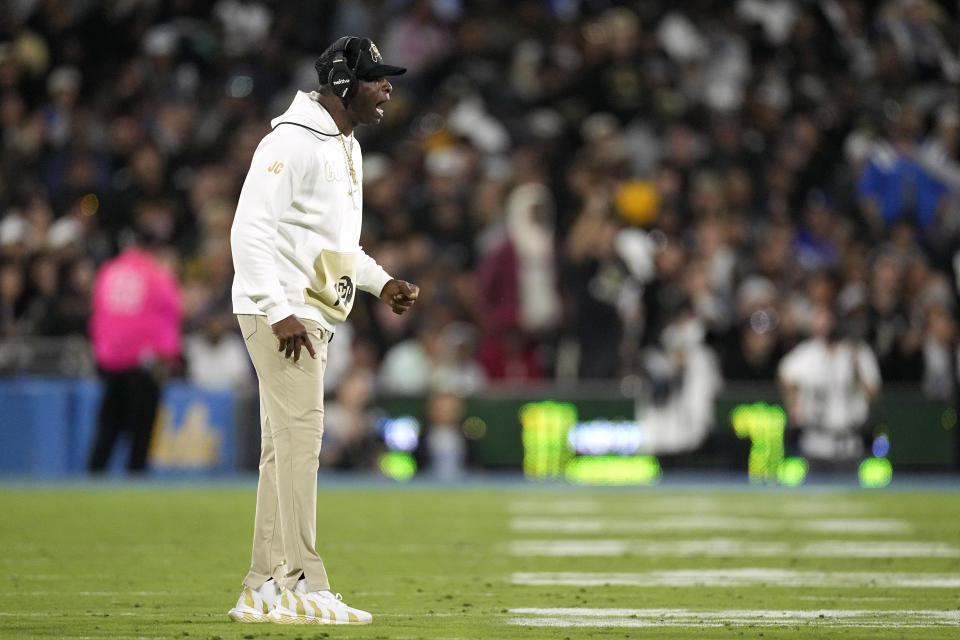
pixel 682 548
pixel 706 522
pixel 117 637
pixel 871 549
pixel 64 592
pixel 586 617
pixel 683 505
pixel 818 508
pixel 551 507
pixel 735 548
pixel 61 614
pixel 853 525
pixel 750 577
pixel 834 597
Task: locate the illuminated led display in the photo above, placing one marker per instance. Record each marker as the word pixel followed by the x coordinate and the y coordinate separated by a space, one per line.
pixel 792 471
pixel 764 424
pixel 613 470
pixel 399 434
pixel 948 419
pixel 474 428
pixel 545 427
pixel 555 444
pixel 604 437
pixel 398 465
pixel 881 447
pixel 875 473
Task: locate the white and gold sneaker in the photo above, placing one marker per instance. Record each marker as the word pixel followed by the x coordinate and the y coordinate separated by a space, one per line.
pixel 314 607
pixel 255 604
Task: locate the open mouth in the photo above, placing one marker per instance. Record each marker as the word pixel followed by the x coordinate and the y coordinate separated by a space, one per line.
pixel 380 108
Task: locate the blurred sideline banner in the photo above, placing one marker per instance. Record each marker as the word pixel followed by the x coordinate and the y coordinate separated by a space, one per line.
pixel 921 431
pixel 47 426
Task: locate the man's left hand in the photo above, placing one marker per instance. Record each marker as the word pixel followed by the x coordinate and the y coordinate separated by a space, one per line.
pixel 400 295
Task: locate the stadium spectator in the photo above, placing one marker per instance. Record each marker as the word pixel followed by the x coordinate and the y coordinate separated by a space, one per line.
pixel 895 336
pixel 349 441
pixel 340 357
pixel 11 299
pixel 941 354
pixel 43 288
pixel 664 295
pixel 408 366
pixel 517 279
pixel 446 448
pixel 216 358
pixel 894 187
pixel 915 29
pixel 14 236
pixel 135 331
pixel 598 278
pixel 684 378
pixel 74 301
pixel 518 288
pixel 829 383
pixel 456 369
pixel 817 244
pixel 752 349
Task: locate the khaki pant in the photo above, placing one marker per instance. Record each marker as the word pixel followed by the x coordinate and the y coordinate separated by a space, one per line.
pixel 291 426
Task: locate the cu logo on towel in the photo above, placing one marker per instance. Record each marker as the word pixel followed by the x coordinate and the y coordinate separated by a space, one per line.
pixel 275 167
pixel 344 291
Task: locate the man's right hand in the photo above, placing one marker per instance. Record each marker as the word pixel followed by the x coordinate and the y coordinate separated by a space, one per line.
pixel 292 336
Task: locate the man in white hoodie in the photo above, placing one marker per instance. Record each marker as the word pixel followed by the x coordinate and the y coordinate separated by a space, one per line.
pixel 298 264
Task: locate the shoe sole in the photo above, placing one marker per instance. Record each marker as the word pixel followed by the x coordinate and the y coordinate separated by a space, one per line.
pixel 285 619
pixel 244 616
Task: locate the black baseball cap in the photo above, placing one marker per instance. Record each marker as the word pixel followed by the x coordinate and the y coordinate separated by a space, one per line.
pixel 369 65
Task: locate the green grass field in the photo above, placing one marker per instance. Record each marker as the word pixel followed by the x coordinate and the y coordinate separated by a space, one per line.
pixel 547 562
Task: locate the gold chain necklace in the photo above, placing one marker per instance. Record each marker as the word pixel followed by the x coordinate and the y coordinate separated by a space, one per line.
pixel 349 157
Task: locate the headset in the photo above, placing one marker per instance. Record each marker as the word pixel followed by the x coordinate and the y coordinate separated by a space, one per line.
pixel 342 77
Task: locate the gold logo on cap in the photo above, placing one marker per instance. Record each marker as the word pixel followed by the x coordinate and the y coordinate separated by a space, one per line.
pixel 375 53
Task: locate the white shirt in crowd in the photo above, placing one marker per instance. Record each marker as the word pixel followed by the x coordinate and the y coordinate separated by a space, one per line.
pixel 834 383
pixel 223 365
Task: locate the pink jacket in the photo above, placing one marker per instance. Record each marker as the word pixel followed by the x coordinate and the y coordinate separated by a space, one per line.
pixel 136 312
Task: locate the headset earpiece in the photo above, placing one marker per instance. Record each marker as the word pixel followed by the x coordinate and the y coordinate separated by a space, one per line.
pixel 342 78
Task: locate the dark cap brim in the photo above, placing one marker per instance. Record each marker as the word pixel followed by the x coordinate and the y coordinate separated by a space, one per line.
pixel 381 70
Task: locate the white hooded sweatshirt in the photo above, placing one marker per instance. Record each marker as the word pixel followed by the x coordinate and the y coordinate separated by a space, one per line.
pixel 296 233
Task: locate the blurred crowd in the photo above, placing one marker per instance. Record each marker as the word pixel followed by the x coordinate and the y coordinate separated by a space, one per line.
pixel 583 189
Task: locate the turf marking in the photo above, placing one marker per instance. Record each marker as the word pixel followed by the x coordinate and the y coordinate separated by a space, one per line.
pixel 869 549
pixel 737 548
pixel 61 592
pixel 60 614
pixel 683 505
pixel 559 507
pixel 833 597
pixel 701 523
pixel 823 508
pixel 119 637
pixel 586 617
pixel 855 525
pixel 751 577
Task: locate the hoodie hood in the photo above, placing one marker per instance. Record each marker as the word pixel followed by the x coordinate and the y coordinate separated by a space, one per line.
pixel 307 111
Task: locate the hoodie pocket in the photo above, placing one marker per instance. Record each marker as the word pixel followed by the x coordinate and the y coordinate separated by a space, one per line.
pixel 335 284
